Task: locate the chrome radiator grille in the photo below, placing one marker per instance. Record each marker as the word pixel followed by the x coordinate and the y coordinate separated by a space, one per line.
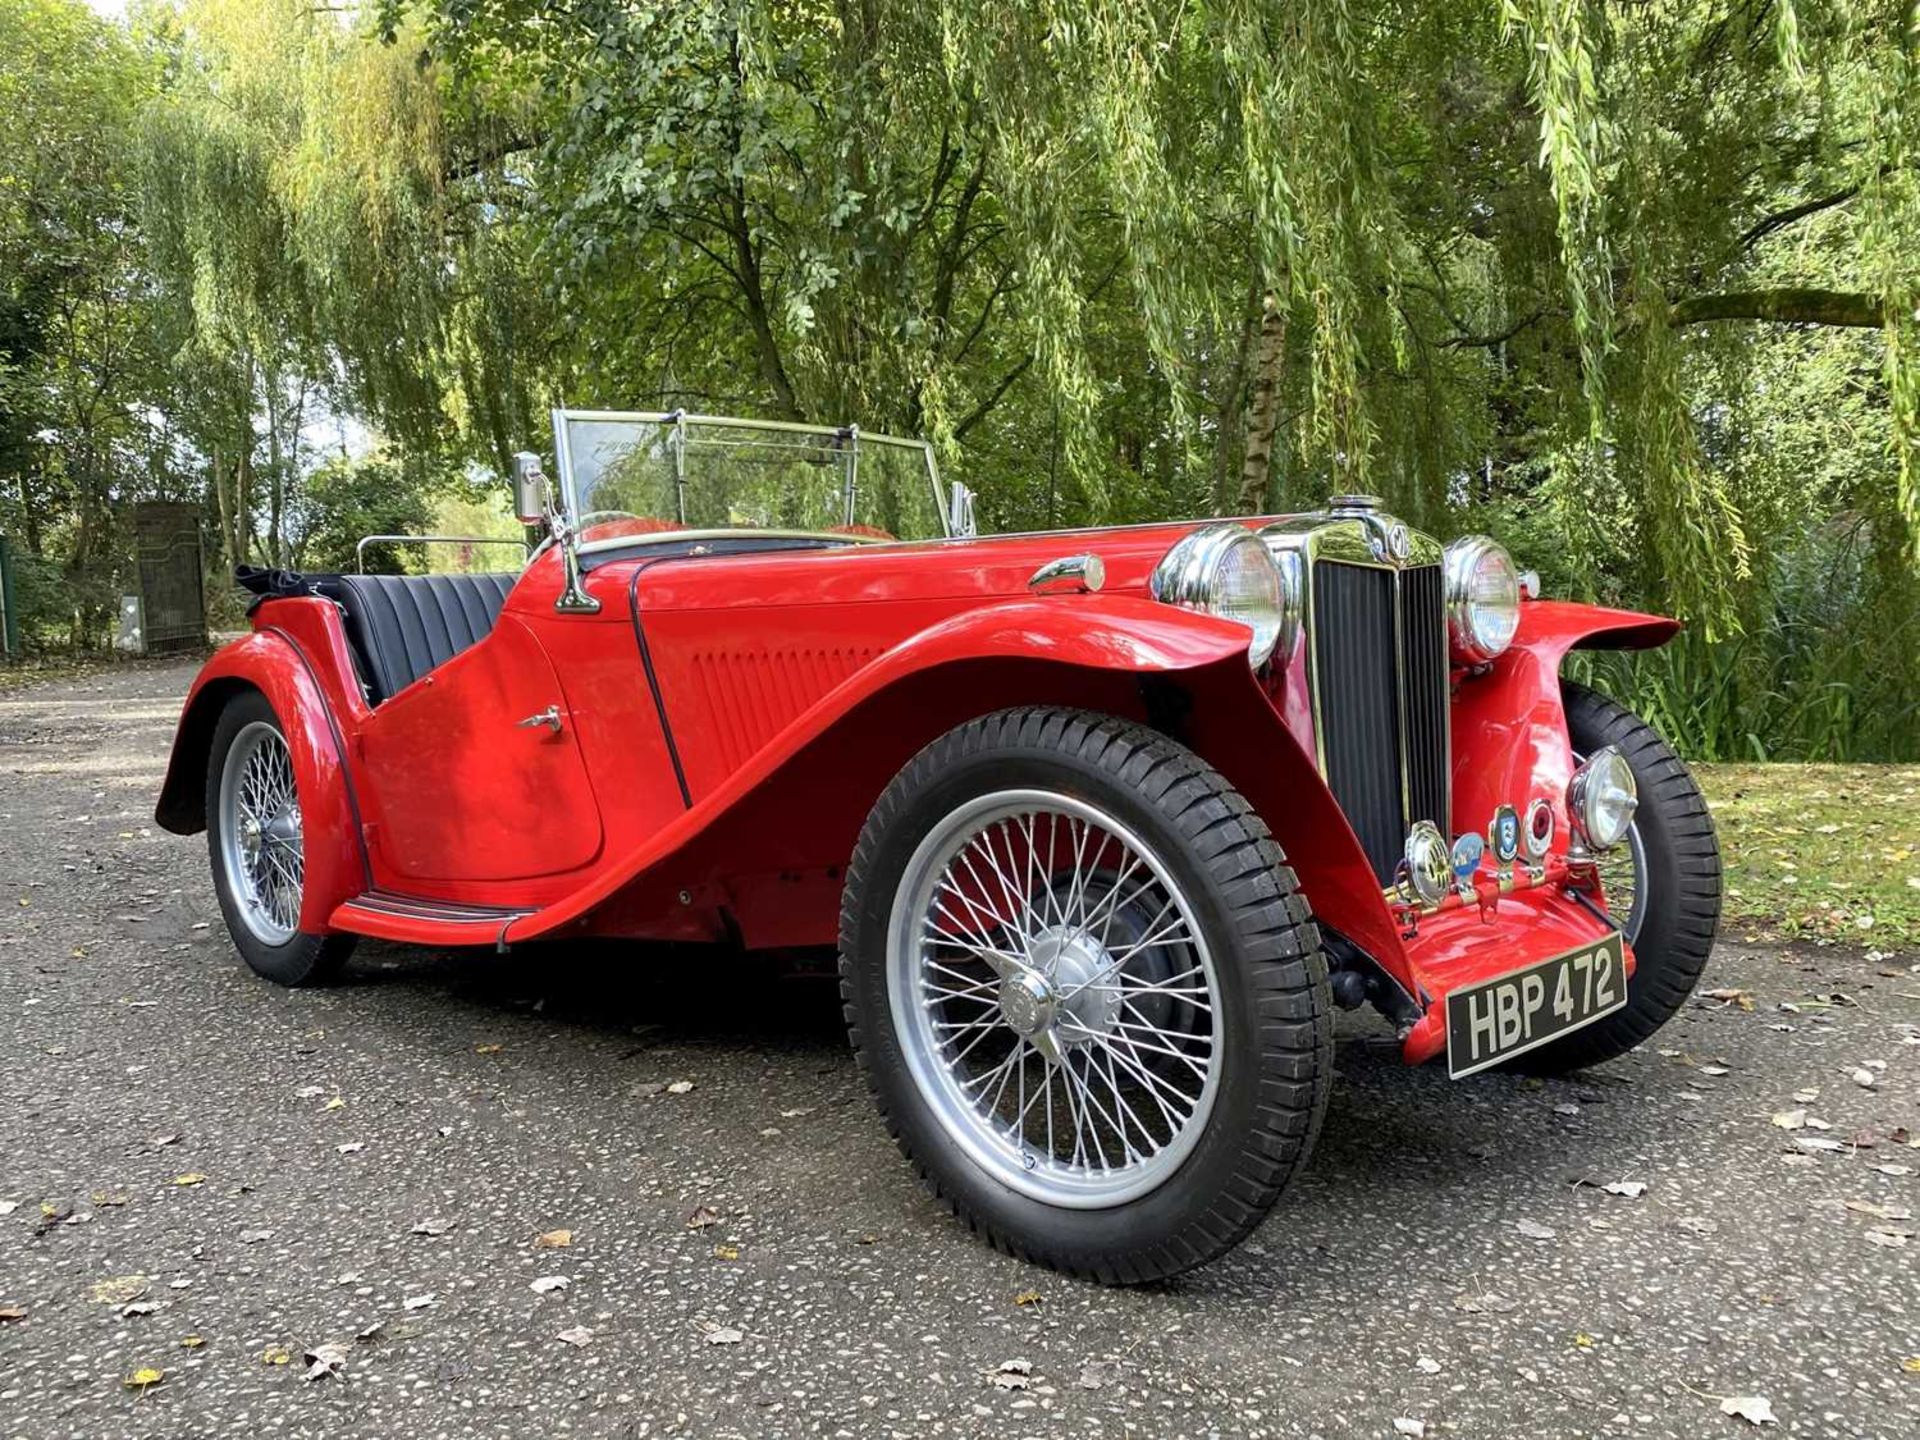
pixel 1380 699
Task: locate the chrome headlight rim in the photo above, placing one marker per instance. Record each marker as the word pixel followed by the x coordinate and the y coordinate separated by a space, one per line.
pixel 1604 779
pixel 1189 575
pixel 1470 640
pixel 1426 864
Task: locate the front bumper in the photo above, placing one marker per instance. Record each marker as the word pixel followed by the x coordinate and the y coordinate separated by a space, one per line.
pixel 1496 933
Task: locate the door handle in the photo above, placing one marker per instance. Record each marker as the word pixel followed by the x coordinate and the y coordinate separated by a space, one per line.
pixel 549 717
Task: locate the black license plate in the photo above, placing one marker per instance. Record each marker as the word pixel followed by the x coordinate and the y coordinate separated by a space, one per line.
pixel 1498 1019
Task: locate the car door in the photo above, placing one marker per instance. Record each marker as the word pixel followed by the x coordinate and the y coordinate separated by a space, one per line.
pixel 475 772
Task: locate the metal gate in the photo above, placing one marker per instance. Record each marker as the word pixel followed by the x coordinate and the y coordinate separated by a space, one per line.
pixel 172 593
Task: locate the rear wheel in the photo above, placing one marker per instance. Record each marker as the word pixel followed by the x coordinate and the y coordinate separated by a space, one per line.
pixel 1089 1002
pixel 1661 885
pixel 256 839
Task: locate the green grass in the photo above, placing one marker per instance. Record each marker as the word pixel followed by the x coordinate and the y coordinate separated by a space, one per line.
pixel 1820 851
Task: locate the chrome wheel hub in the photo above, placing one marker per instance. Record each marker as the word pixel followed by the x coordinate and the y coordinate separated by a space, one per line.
pixel 1055 1000
pixel 1084 1001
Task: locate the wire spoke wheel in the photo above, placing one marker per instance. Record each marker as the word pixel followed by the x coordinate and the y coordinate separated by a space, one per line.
pixel 1055 998
pixel 262 841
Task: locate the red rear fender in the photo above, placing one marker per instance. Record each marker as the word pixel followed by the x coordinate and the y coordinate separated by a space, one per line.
pixel 271 664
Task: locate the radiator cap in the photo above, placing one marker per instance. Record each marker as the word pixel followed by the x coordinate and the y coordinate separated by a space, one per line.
pixel 1356 504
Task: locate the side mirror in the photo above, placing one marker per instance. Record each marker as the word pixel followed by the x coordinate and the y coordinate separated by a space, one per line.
pixel 529 489
pixel 960 518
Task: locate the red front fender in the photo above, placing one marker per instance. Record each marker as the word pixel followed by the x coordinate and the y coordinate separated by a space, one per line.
pixel 1509 726
pixel 270 663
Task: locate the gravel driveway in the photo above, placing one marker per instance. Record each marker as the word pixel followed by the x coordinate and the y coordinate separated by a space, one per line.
pixel 207 1177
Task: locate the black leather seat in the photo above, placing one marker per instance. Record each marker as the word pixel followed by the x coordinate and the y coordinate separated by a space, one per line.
pixel 402 626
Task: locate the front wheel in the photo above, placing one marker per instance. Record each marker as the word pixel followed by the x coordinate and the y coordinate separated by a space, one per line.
pixel 1090 1004
pixel 1662 885
pixel 256 839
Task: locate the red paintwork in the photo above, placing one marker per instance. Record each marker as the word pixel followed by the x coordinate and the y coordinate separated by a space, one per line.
pixel 796 683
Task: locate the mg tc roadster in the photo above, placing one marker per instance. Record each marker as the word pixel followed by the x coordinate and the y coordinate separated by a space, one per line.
pixel 1104 824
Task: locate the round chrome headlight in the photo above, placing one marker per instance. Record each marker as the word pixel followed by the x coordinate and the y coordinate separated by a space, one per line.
pixel 1225 570
pixel 1601 799
pixel 1483 598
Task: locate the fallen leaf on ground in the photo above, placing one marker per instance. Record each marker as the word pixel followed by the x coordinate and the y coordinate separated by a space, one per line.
pixel 7 1207
pixel 1754 1409
pixel 1880 1212
pixel 417 1302
pixel 679 1087
pixel 433 1227
pixel 488 1049
pixel 1027 1297
pixel 578 1335
pixel 1865 1079
pixel 145 1378
pixel 110 1198
pixel 726 1252
pixel 12 1312
pixel 1632 1189
pixel 1742 998
pixel 120 1289
pixel 704 1217
pixel 325 1360
pixel 276 1355
pixel 192 1177
pixel 1011 1374
pixel 1911 1364
pixel 1427 1365
pixel 1534 1230
pixel 1891 1236
pixel 191 1342
pixel 1713 1071
pixel 1404 1426
pixel 1790 1119
pixel 553 1240
pixel 547 1283
pixel 352 1147
pixel 724 1335
pixel 1812 1143
pixel 254 1237
pixel 1892 1169
pixel 133 1309
pixel 1488 1304
pixel 1567 1109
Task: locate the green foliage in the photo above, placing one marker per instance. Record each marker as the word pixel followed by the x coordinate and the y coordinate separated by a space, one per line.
pixel 345 500
pixel 1632 286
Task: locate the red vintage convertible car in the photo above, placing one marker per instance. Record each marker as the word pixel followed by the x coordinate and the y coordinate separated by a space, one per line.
pixel 1103 823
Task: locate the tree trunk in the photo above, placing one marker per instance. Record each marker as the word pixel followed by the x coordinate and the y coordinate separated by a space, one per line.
pixel 1233 404
pixel 1263 414
pixel 243 501
pixel 276 474
pixel 224 511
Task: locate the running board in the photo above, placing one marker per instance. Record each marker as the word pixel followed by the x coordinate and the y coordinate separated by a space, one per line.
pixel 418 920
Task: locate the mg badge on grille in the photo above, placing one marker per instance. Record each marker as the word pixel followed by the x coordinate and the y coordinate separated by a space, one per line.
pixel 1399 540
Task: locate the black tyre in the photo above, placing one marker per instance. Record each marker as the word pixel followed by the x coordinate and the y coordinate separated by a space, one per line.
pixel 1662 886
pixel 1087 997
pixel 256 841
